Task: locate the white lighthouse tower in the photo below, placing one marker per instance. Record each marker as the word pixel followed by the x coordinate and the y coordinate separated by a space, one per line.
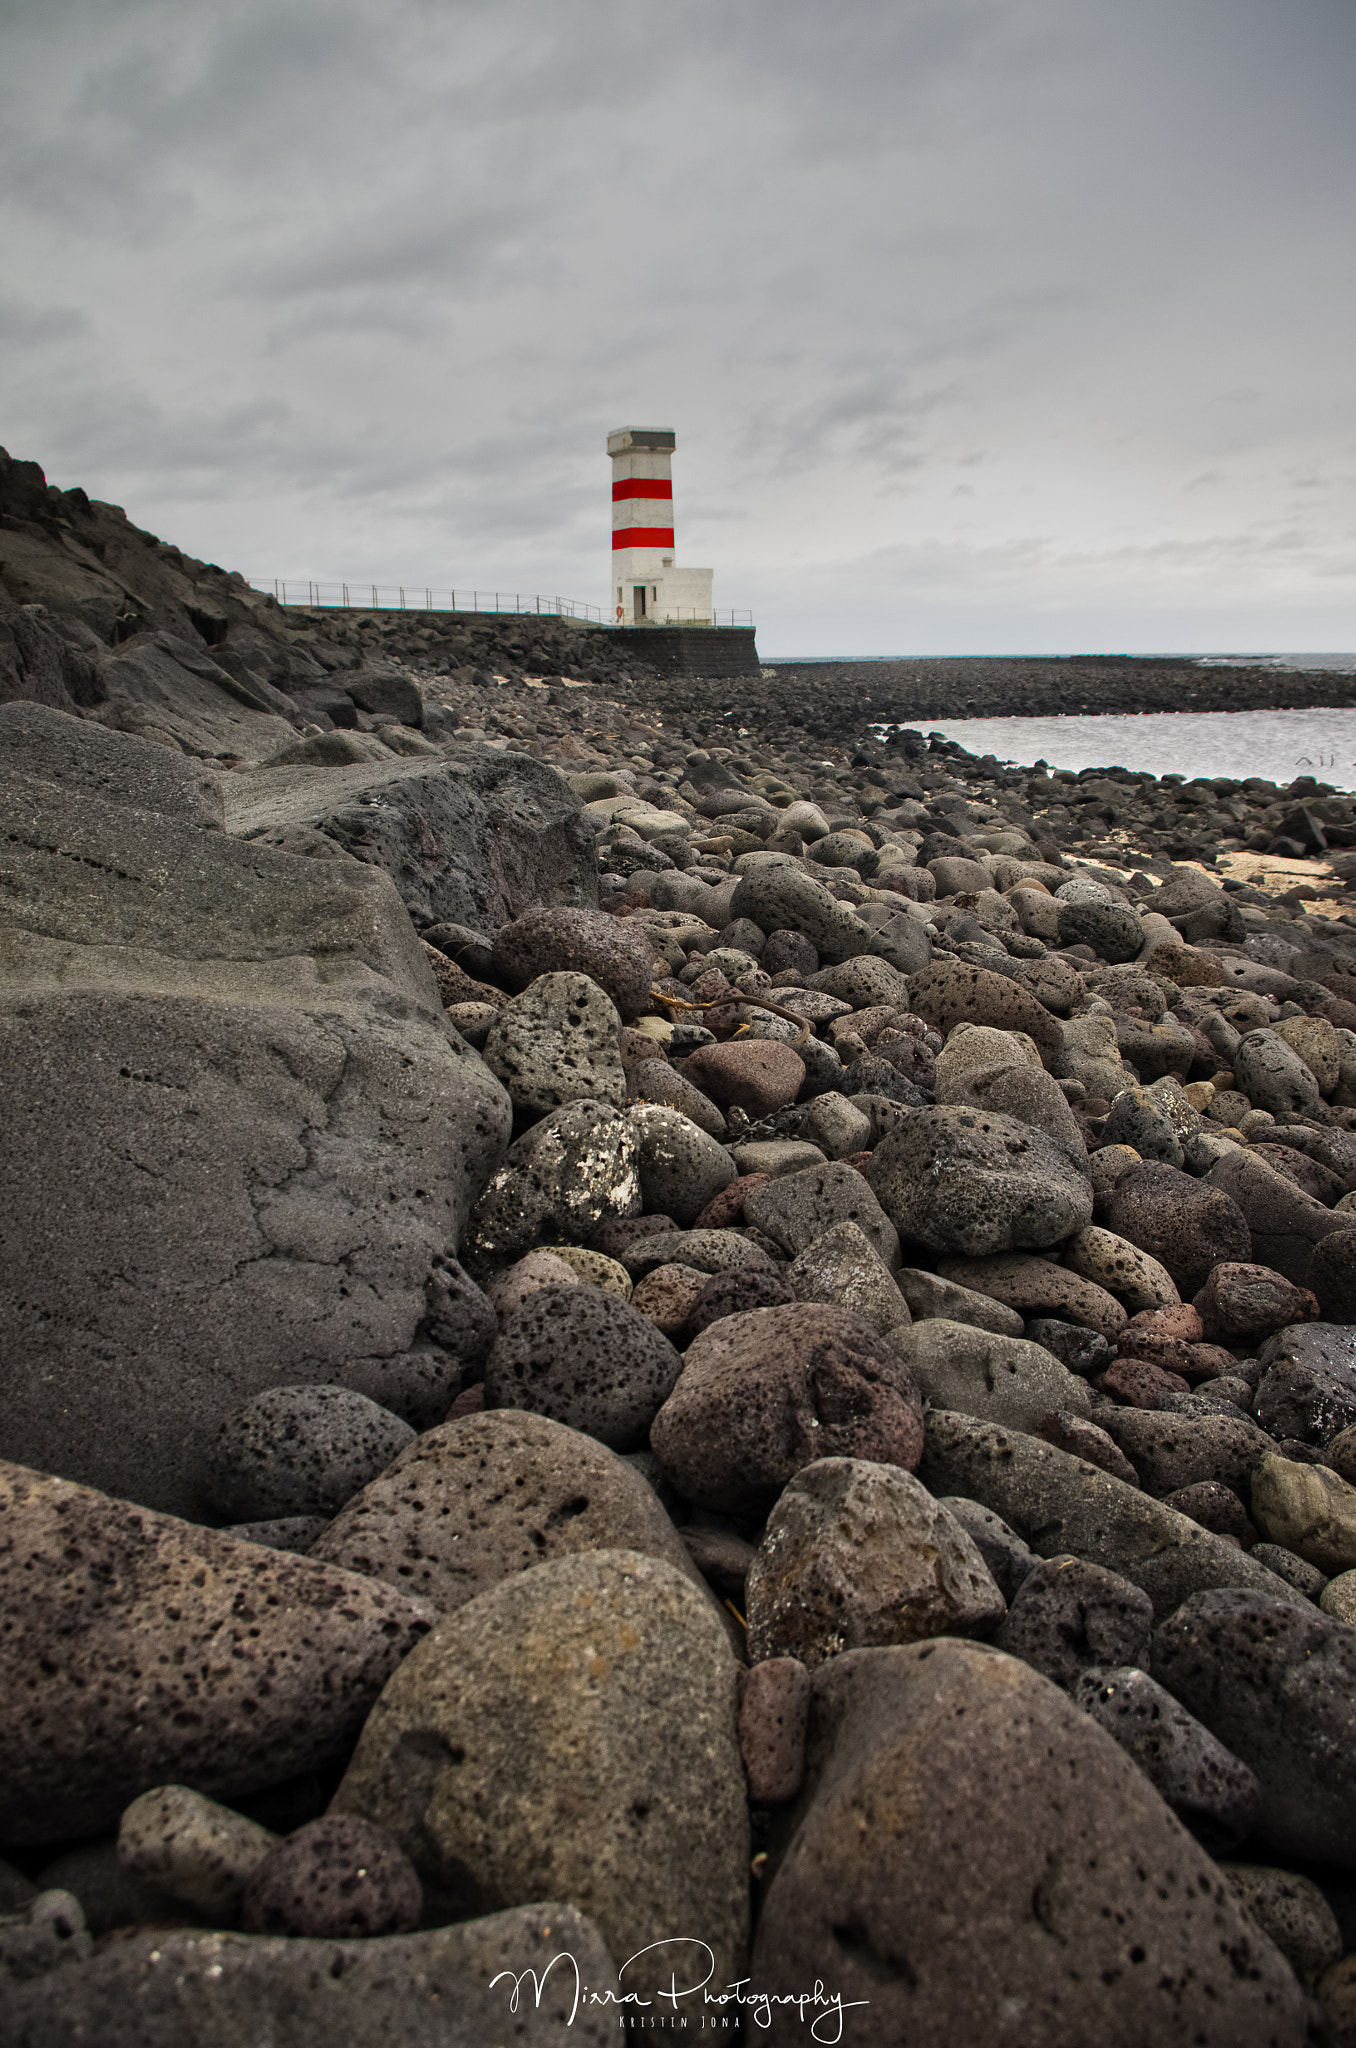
pixel 647 586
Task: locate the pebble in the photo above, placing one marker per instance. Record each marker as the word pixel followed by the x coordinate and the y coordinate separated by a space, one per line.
pixel 1188 1226
pixel 593 1269
pixel 1122 1269
pixel 1307 1509
pixel 1082 1438
pixel 338 1878
pixel 949 992
pixel 796 1210
pixel 667 1296
pixel 586 1359
pixel 1068 1614
pixel 857 1554
pixel 299 1451
pixel 764 1393
pixel 929 1295
pixel 774 1707
pixel 843 1268
pixel 1039 1289
pixel 570 1173
pixel 1307 1388
pixel 681 1167
pixel 734 1294
pixel 655 1081
pixel 1084 1350
pixel 193 1849
pixel 1293 1911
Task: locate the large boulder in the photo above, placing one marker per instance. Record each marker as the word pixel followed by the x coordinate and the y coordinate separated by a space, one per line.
pixel 571 1734
pixel 476 841
pixel 973 1181
pixel 149 1652
pixel 974 1860
pixel 243 1138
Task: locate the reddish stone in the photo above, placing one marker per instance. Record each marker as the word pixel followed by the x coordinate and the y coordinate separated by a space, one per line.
pixel 1138 1384
pixel 1241 1303
pixel 727 1207
pixel 757 1075
pixel 1208 1362
pixel 1181 1322
pixel 1173 1354
pixel 469 1401
pixel 774 1708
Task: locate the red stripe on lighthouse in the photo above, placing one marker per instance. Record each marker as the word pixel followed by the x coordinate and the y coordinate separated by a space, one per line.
pixel 642 487
pixel 642 537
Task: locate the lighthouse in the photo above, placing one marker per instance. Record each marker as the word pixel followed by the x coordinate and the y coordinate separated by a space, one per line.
pixel 647 586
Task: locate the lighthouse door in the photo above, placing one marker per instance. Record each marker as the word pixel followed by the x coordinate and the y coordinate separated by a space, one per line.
pixel 638 593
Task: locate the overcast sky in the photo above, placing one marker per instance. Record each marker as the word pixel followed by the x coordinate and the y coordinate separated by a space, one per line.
pixel 984 325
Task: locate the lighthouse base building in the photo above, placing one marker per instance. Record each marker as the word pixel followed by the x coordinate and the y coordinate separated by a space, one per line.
pixel 647 586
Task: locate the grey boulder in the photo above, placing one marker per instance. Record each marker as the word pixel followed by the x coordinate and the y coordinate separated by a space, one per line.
pixel 299 1451
pixel 964 1180
pixel 1002 1379
pixel 557 1043
pixel 584 1358
pixel 1207 1787
pixel 570 1173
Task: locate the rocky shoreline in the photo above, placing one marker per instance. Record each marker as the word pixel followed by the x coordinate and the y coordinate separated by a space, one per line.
pixel 644 1333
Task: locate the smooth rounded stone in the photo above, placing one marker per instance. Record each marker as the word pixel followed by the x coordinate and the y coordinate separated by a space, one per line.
pixel 1332 1275
pixel 1102 1921
pixel 1008 1559
pixel 1172 1451
pixel 774 1707
pixel 869 982
pixel 44 1933
pixel 978 1372
pixel 1026 1093
pixel 1038 1287
pixel 681 1167
pixel 1242 1303
pixel 1083 889
pixel 496 1493
pixel 965 1180
pixel 857 1554
pixel 1082 1438
pixel 836 1126
pixel 1308 1385
pixel 667 1296
pixel 773 1158
pixel 1139 1119
pixel 616 1237
pixel 1316 1041
pixel 110 1895
pixel 972 1048
pixel 1141 1383
pixel 472 1020
pixel 755 1075
pixel 99 1595
pixel 1187 1226
pixel 1215 1506
pixel 1055 983
pixel 1156 1050
pixel 730 961
pixel 1272 1075
pixel 654 1080
pixel 1068 1614
pixel 766 1392
pixel 1063 1505
pixel 446 1988
pixel 722 1557
pixel 593 1269
pixel 843 1268
pixel 1084 1350
pixel 281 1532
pixel 951 992
pixel 193 1849
pixel 1286 1224
pixel 1340 1454
pixel 805 818
pixel 572 1733
pixel 1207 1787
pixel 570 1173
pixel 957 876
pixel 557 1043
pixel 299 1451
pixel 872 1074
pixel 1293 1912
pixel 1308 1509
pixel 1122 1269
pixel 1112 929
pixel 1090 1053
pixel 797 1209
pixel 556 938
pixel 338 1878
pixel 510 1289
pixel 1338 1598
pixel 708 1251
pixel 928 1295
pixel 780 898
pixel 586 1359
pixel 1274 1679
pixel 734 1294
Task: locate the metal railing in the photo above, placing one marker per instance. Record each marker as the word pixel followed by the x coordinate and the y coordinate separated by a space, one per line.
pixel 727 618
pixel 399 597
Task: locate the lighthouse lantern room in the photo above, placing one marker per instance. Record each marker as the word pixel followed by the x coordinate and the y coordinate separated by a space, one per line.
pixel 647 586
